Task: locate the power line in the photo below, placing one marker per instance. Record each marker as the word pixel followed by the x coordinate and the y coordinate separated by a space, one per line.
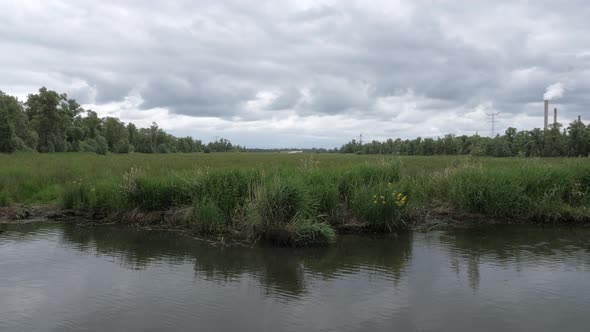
pixel 493 122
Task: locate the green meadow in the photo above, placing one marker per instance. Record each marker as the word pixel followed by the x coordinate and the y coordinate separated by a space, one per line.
pixel 298 199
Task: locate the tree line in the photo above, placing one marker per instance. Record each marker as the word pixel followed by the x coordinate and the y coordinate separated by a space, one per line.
pixel 51 122
pixel 573 141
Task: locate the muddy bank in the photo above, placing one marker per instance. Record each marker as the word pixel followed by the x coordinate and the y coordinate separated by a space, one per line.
pixel 419 219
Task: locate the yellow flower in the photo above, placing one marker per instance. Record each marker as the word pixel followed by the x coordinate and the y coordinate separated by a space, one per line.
pixel 383 202
pixel 399 195
pixel 374 202
pixel 382 197
pixel 374 196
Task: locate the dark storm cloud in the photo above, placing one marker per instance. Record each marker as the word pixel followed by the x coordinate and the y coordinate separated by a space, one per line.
pixel 351 59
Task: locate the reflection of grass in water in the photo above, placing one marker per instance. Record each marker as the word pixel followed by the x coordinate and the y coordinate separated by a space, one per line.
pixel 280 270
pixel 506 245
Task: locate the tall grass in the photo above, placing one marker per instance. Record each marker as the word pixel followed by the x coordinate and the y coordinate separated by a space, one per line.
pixel 299 199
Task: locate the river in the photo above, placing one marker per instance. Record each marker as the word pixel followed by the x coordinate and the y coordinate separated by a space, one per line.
pixel 61 277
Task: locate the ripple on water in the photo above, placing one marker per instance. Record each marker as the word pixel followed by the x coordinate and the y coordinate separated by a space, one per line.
pixel 70 278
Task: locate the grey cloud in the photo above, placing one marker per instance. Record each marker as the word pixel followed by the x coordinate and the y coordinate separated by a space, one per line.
pixel 212 59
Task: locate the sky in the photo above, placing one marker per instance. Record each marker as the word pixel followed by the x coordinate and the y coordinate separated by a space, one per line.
pixel 275 74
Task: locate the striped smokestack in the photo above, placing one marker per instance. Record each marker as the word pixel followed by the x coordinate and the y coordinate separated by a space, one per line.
pixel 555 117
pixel 546 113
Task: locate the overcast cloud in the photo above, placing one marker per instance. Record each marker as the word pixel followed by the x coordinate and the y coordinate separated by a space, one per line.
pixel 303 73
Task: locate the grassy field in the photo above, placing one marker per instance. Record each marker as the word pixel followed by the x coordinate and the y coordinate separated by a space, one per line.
pixel 298 198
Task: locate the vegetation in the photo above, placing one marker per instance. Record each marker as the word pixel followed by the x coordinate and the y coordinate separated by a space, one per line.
pixel 573 141
pixel 52 122
pixel 298 199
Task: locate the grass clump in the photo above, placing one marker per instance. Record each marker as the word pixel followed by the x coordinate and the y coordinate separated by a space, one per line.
pixel 3 198
pixel 208 218
pixel 380 205
pixel 282 213
pixel 230 190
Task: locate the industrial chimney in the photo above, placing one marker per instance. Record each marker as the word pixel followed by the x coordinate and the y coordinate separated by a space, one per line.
pixel 546 113
pixel 555 117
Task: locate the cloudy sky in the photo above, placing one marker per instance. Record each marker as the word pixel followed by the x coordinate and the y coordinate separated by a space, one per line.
pixel 303 73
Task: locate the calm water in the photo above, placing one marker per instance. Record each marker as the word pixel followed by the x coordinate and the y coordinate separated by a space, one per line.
pixel 57 277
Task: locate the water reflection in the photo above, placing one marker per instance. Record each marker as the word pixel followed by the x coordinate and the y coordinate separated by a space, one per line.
pixel 281 271
pixel 517 246
pixel 58 277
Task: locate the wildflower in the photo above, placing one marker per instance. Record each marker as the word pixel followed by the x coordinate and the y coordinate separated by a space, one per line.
pixel 374 202
pixel 382 197
pixel 399 195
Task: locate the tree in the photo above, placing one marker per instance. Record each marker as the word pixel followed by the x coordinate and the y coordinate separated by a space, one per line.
pixel 102 146
pixel 578 139
pixel 116 135
pixel 48 119
pixel 7 136
pixel 16 132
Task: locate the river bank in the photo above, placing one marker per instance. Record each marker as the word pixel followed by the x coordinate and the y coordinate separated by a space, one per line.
pixel 303 202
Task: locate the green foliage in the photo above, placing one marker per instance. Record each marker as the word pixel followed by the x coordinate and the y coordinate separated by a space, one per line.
pixel 388 170
pixel 229 189
pixel 84 194
pixel 309 232
pixel 15 131
pixel 101 145
pixel 3 198
pixel 158 193
pixel 380 205
pixel 208 218
pixel 322 187
pixel 273 196
pixel 554 142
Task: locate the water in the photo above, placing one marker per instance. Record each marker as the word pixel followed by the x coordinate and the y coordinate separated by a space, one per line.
pixel 56 277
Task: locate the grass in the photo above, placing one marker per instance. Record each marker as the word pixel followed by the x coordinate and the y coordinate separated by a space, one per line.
pixel 299 199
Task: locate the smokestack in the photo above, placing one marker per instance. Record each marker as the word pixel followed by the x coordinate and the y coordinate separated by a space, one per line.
pixel 555 117
pixel 546 113
pixel 579 118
